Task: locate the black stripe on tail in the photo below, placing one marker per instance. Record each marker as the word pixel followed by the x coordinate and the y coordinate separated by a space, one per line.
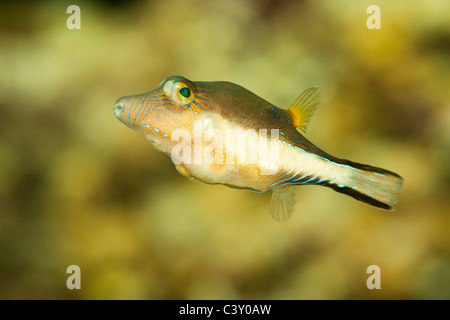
pixel 372 185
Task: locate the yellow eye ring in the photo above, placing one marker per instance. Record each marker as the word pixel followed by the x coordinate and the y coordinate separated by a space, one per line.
pixel 180 92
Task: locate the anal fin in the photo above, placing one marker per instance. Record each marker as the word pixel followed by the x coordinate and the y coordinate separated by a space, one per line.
pixel 282 205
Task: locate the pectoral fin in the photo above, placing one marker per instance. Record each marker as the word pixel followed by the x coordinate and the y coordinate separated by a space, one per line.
pixel 282 205
pixel 304 106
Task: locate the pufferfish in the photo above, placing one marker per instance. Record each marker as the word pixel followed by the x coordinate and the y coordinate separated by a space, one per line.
pixel 170 115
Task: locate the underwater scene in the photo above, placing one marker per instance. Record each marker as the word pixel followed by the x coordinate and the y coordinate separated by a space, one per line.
pixel 357 90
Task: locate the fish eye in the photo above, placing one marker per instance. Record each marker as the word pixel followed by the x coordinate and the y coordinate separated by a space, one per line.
pixel 180 92
pixel 185 92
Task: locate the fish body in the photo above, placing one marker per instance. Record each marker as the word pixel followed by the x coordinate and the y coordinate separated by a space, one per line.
pixel 221 133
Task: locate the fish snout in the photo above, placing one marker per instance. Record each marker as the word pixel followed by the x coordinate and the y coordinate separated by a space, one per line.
pixel 128 109
pixel 120 106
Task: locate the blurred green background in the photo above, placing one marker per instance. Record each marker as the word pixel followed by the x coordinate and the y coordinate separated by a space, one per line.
pixel 78 187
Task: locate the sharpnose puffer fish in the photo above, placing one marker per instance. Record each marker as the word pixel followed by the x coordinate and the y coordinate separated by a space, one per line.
pixel 221 133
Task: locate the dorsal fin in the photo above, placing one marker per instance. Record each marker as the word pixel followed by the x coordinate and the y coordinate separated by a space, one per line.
pixel 304 106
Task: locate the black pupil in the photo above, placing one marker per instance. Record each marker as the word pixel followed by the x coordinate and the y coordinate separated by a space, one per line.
pixel 185 92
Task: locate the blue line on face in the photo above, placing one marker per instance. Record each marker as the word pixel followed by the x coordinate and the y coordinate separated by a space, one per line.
pixel 137 112
pixel 164 104
pixel 148 110
pixel 128 113
pixel 197 104
pixel 164 99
